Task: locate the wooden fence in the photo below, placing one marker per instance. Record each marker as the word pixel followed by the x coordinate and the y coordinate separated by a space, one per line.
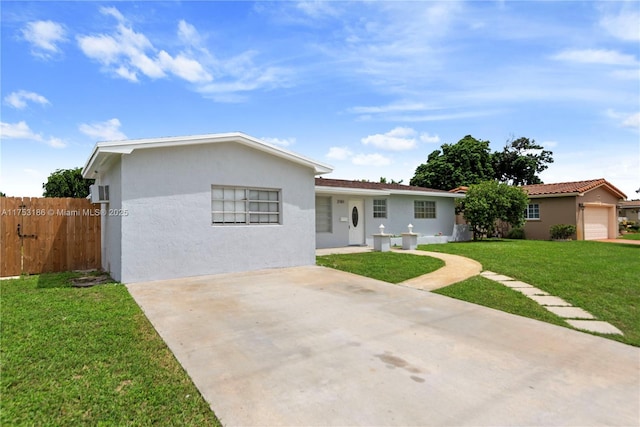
pixel 43 235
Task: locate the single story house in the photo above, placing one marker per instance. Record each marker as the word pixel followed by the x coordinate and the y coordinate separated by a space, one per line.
pixel 351 212
pixel 590 205
pixel 196 205
pixel 629 210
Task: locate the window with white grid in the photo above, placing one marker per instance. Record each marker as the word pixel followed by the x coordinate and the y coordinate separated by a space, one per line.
pixel 380 208
pixel 532 211
pixel 424 209
pixel 237 205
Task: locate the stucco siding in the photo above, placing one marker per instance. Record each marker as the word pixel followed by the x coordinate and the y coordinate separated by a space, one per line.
pixel 400 213
pixel 553 210
pixel 168 232
pixel 598 195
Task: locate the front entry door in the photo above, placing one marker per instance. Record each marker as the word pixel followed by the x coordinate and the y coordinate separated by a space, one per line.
pixel 356 222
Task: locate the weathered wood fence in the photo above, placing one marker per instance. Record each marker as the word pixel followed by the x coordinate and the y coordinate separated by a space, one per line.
pixel 43 235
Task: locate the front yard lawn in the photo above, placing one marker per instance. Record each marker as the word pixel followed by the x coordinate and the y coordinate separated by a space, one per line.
pixel 387 266
pixel 87 356
pixel 602 278
pixel 630 236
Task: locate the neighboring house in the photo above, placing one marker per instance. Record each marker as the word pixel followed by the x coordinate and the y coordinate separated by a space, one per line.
pixel 196 205
pixel 350 212
pixel 629 210
pixel 589 205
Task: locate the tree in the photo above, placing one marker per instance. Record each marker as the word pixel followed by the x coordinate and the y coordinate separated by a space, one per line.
pixel 384 180
pixel 520 162
pixel 2 194
pixel 490 201
pixel 464 163
pixel 67 183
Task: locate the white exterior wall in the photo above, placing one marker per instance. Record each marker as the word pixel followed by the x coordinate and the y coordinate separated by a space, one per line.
pixel 168 232
pixel 111 225
pixel 399 215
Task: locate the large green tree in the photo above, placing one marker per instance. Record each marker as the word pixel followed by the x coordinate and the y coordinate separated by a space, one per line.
pixel 464 163
pixel 520 162
pixel 67 183
pixel 470 161
pixel 490 201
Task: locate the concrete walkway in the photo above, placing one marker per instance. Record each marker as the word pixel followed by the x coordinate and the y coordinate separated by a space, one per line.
pixel 575 316
pixel 457 268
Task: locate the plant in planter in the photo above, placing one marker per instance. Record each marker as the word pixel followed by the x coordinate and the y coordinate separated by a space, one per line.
pixel 562 231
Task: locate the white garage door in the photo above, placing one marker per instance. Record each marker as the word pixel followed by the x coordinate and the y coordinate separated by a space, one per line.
pixel 596 223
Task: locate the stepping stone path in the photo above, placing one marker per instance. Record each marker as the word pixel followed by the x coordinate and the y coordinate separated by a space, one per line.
pixel 574 316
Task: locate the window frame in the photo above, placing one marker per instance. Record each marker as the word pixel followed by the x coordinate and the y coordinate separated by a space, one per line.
pixel 424 211
pixel 380 213
pixel 328 213
pixel 532 208
pixel 239 205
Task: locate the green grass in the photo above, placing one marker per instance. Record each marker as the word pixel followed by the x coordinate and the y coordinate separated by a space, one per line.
pixel 631 236
pixel 490 293
pixel 387 266
pixel 602 278
pixel 87 356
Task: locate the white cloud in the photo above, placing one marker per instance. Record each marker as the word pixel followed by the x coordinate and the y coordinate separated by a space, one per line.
pixel 632 121
pixel 625 119
pixel 56 142
pixel 339 153
pixel 19 99
pixel 21 130
pixel 127 53
pixel 188 69
pixel 549 144
pixel 44 37
pixel 18 130
pixel 397 139
pixel 429 139
pixel 370 160
pixel 283 142
pixel 596 56
pixel 105 131
pixel 623 24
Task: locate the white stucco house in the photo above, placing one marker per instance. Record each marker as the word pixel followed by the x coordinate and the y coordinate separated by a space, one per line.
pixel 351 212
pixel 196 205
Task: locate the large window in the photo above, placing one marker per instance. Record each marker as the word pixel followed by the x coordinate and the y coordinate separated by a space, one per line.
pixel 323 214
pixel 380 208
pixel 236 205
pixel 424 209
pixel 532 211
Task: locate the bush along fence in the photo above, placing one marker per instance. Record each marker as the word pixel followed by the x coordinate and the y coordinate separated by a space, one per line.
pixel 43 235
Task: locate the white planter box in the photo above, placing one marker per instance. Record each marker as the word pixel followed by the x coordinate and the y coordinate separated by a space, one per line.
pixel 382 242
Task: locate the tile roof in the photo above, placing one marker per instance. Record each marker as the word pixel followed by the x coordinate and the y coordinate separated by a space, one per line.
pixel 343 183
pixel 571 188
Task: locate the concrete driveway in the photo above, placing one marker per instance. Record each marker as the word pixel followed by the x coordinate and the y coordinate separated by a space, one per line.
pixel 311 346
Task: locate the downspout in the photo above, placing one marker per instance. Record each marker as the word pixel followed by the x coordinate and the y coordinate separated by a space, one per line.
pixel 580 221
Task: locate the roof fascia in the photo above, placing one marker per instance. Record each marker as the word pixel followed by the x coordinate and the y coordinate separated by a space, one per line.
pixel 128 146
pixel 546 196
pixel 445 194
pixel 350 191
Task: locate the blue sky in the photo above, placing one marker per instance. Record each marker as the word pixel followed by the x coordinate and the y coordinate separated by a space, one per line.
pixel 370 88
